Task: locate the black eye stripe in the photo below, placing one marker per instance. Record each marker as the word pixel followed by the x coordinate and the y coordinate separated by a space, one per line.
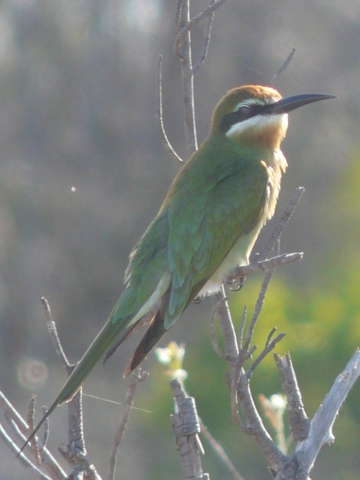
pixel 241 114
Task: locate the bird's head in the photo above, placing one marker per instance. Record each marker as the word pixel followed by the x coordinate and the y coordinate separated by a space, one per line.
pixel 255 115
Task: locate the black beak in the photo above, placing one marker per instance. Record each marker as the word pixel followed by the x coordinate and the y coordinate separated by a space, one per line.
pixel 286 105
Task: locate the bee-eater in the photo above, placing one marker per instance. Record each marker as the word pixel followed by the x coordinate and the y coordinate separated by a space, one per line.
pixel 206 226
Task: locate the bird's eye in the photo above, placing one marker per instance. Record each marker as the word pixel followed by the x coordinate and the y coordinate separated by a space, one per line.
pixel 245 112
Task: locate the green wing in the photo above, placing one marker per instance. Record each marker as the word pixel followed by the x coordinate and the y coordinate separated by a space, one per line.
pixel 224 206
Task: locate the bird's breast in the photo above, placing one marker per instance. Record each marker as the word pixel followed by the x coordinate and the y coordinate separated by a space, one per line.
pixel 239 254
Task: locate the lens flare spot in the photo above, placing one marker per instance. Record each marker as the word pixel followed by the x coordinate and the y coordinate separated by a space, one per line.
pixel 32 373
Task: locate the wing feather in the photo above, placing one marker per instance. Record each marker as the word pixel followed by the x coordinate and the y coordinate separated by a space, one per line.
pixel 223 207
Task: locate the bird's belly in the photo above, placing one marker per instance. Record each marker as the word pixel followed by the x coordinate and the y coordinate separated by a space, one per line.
pixel 237 256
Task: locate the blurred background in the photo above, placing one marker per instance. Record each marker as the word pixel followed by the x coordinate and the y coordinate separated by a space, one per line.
pixel 83 171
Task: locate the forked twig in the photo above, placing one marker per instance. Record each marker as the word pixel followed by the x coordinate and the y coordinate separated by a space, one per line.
pixel 209 10
pixel 269 346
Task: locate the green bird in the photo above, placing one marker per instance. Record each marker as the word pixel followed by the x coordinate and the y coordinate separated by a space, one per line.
pixel 207 225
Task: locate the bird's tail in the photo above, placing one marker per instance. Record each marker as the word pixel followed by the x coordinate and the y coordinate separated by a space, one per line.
pixel 103 341
pixel 107 335
pixel 152 335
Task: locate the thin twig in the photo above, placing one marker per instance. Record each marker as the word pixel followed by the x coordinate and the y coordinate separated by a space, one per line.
pixel 281 225
pixel 213 337
pixel 286 62
pixel 159 114
pixel 268 348
pixel 27 464
pixel 30 418
pixel 237 372
pixel 178 13
pixel 191 23
pixel 76 447
pixel 46 426
pixel 218 449
pixel 258 266
pixel 137 377
pixel 187 79
pixel 258 307
pixel 207 38
pixel 242 328
pixel 18 424
pixel 227 326
pixel 51 326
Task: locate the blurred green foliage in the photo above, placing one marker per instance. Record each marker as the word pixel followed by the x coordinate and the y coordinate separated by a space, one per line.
pixel 83 171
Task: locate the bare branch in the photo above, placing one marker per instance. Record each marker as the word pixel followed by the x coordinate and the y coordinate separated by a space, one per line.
pixel 209 10
pixel 258 308
pixel 76 424
pixel 238 371
pixel 20 427
pixel 183 50
pixel 51 326
pixel 299 422
pixel 271 263
pixel 267 349
pixel 159 114
pixel 207 37
pixel 283 66
pixel 213 338
pixel 255 426
pixel 178 14
pixel 26 463
pixel 137 377
pixel 76 449
pixel 242 328
pixel 227 326
pixel 186 427
pixel 30 421
pixel 321 425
